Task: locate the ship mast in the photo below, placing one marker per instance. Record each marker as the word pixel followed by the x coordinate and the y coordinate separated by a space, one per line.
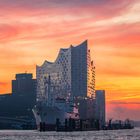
pixel 49 91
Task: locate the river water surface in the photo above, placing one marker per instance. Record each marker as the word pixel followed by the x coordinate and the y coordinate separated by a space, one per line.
pixel 133 134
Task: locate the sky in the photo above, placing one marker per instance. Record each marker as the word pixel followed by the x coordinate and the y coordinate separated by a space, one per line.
pixel 32 31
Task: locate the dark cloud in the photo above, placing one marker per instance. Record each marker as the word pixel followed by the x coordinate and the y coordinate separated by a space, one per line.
pixel 68 3
pixel 102 8
pixel 55 3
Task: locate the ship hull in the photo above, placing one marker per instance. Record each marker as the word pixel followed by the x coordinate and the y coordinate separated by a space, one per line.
pixel 49 115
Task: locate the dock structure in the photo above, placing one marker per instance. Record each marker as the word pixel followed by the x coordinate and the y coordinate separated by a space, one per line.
pixel 84 125
pixel 71 125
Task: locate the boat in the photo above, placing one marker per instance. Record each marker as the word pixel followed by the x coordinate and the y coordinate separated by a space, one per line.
pixel 61 110
pixel 119 124
pixel 52 108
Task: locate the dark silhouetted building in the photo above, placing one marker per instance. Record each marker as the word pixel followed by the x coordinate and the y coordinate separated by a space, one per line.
pixel 86 107
pixel 100 106
pixel 19 104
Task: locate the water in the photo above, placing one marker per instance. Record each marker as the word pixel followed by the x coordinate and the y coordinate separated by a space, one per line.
pixel 133 134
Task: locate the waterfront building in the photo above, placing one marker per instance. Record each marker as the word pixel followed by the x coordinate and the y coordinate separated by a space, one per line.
pixel 100 106
pixel 23 84
pixel 20 102
pixel 24 94
pixel 72 73
pixel 72 76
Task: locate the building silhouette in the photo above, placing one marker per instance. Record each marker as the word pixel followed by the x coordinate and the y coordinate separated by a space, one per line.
pixel 19 104
pixel 100 106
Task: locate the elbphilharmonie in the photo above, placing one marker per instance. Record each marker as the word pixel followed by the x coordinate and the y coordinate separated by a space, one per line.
pixel 66 87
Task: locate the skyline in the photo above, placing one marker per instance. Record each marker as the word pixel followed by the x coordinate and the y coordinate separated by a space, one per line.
pixel 29 36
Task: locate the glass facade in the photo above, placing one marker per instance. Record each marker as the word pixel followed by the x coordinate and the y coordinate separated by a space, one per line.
pixel 71 75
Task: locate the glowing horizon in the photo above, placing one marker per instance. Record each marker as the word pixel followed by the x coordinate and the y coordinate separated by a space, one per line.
pixel 33 31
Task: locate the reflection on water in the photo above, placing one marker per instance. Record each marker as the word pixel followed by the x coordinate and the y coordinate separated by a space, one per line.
pixel 133 134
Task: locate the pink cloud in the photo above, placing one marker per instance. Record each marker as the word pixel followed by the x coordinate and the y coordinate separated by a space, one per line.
pixel 123 111
pixel 3 83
